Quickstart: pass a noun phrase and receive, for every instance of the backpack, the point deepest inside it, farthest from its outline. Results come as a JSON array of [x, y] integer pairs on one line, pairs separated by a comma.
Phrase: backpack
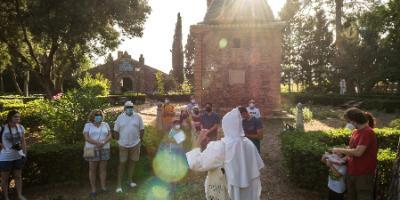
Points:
[[1, 133]]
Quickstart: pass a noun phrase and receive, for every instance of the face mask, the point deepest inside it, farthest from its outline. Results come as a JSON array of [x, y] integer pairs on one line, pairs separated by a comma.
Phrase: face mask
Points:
[[98, 118], [178, 126], [166, 101], [129, 111], [196, 112], [208, 109], [193, 101], [251, 105]]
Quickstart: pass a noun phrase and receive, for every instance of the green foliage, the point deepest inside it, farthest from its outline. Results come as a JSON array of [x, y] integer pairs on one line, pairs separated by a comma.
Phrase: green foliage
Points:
[[31, 113], [307, 113], [96, 86], [160, 83], [50, 34], [387, 103], [60, 163], [186, 87], [151, 140], [65, 117], [395, 124], [177, 52], [189, 59], [303, 150]]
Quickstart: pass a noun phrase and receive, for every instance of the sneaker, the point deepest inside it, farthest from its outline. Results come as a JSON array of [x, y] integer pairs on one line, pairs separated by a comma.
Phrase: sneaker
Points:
[[118, 190], [132, 184]]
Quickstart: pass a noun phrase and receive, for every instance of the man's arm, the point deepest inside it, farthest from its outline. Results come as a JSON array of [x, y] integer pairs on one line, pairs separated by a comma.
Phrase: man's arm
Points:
[[141, 134]]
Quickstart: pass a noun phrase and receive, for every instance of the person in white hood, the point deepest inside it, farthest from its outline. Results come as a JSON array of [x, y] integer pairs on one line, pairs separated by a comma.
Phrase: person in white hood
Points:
[[235, 157]]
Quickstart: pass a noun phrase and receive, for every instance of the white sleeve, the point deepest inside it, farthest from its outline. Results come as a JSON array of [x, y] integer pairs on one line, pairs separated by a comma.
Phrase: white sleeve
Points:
[[141, 125], [342, 170], [86, 129], [212, 157]]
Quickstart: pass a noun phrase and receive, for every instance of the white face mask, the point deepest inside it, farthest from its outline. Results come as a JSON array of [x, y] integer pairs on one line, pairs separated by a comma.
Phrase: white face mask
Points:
[[252, 105], [178, 126], [166, 101], [193, 101]]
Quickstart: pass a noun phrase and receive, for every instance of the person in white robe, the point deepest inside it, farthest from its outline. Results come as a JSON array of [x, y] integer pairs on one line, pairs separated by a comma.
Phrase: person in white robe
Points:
[[236, 155]]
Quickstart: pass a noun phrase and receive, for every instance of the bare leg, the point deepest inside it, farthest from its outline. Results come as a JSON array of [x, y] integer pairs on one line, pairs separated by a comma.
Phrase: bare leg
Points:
[[92, 174], [103, 174], [4, 183], [121, 169], [18, 183], [131, 169]]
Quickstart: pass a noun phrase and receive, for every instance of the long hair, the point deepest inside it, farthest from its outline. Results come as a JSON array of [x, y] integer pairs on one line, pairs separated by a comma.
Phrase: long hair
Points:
[[371, 119], [355, 115], [93, 114]]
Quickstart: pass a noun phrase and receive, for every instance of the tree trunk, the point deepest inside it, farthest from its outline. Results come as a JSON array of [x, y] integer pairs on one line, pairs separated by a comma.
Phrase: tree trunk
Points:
[[26, 83], [46, 83], [59, 84], [339, 39], [15, 82], [1, 83]]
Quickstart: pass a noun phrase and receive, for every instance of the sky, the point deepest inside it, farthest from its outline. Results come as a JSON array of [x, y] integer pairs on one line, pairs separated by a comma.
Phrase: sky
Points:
[[156, 43]]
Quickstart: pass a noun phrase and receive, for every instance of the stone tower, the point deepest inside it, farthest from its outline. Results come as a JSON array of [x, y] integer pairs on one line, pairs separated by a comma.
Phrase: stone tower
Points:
[[238, 55]]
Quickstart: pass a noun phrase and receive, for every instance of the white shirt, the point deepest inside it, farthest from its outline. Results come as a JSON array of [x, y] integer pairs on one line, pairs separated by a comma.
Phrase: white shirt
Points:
[[98, 134], [255, 112], [129, 128], [338, 185], [7, 153]]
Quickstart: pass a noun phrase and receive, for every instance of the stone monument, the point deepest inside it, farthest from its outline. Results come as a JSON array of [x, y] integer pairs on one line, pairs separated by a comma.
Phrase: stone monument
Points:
[[238, 55]]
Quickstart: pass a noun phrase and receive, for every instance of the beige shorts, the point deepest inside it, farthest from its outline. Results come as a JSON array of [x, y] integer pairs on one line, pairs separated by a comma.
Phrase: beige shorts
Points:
[[133, 153]]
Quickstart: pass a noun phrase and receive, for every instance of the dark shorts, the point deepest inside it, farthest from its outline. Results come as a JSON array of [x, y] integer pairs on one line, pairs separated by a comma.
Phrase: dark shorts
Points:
[[7, 166], [335, 196]]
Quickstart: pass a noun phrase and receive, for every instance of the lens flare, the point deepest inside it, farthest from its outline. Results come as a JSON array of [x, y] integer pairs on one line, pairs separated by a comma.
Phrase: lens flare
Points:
[[170, 164], [223, 43], [155, 189]]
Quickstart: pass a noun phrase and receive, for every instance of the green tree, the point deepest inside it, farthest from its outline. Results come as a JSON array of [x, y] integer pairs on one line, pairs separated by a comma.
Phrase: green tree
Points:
[[39, 31], [177, 52], [189, 59], [5, 60], [160, 83]]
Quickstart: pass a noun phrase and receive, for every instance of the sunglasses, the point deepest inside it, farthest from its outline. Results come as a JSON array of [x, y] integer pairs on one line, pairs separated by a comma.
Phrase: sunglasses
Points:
[[98, 115], [129, 107]]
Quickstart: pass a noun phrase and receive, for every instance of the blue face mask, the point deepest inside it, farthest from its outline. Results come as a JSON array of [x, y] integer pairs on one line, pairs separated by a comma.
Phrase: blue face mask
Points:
[[129, 111], [98, 118]]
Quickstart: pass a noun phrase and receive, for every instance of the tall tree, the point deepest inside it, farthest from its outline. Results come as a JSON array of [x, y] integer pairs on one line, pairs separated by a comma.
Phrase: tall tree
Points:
[[39, 31], [5, 60], [287, 14], [177, 52], [189, 59]]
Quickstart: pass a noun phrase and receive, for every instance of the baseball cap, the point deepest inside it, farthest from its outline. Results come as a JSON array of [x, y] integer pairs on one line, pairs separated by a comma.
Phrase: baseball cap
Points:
[[128, 104]]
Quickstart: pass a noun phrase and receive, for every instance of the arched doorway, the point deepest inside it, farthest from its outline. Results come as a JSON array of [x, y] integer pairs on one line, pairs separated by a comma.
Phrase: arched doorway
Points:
[[127, 85]]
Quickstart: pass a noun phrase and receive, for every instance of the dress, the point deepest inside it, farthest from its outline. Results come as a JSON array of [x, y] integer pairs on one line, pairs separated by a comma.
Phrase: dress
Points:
[[237, 155]]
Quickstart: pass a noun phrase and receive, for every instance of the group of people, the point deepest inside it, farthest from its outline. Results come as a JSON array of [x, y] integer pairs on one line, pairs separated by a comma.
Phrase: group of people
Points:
[[128, 131], [195, 120], [233, 161], [352, 169]]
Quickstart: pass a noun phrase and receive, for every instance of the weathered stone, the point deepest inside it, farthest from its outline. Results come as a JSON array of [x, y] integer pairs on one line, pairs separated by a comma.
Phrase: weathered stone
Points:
[[124, 75], [238, 60]]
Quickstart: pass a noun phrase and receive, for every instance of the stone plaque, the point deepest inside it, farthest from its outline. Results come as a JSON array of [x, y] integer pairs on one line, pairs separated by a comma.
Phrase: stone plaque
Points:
[[125, 66], [237, 77]]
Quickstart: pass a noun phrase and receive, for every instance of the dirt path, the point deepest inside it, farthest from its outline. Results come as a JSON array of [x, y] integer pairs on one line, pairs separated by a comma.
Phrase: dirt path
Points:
[[275, 183]]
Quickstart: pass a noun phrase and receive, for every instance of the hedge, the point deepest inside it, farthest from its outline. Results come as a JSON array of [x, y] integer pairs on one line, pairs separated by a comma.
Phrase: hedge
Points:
[[389, 103], [303, 150], [56, 163]]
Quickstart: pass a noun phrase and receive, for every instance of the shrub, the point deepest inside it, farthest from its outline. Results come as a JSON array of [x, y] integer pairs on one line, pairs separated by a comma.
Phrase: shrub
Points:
[[395, 123], [307, 113], [31, 116], [59, 163], [96, 86], [303, 150]]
